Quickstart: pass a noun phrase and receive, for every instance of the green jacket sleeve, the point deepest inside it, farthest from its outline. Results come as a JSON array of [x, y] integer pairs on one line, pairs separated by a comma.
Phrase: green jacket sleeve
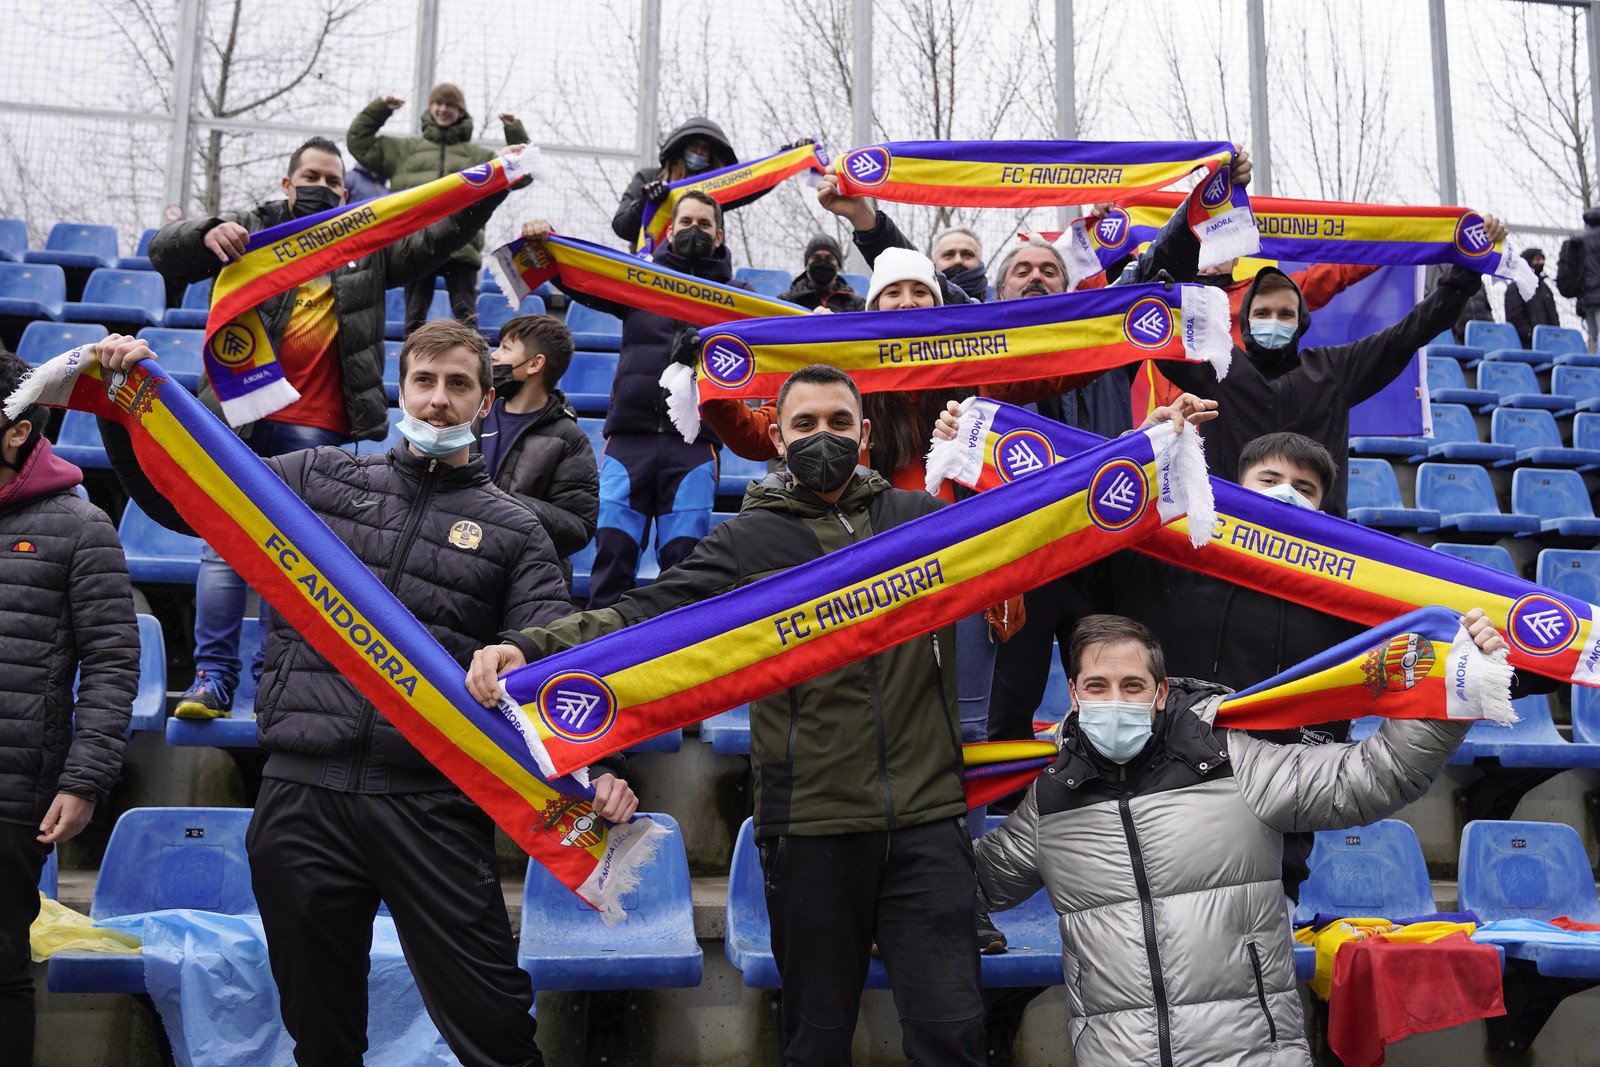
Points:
[[379, 154], [516, 133]]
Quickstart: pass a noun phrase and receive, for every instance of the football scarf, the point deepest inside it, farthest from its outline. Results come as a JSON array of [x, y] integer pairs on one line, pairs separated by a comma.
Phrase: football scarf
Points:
[[316, 583], [728, 185], [1308, 557], [603, 696], [594, 270], [240, 361], [957, 346]]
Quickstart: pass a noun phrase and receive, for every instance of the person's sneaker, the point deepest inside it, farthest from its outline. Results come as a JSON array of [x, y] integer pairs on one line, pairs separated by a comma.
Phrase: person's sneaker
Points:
[[207, 698], [991, 942]]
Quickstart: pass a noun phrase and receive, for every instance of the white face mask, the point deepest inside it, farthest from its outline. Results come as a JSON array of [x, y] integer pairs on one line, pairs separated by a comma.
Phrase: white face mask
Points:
[[1288, 494], [435, 441], [1118, 729]]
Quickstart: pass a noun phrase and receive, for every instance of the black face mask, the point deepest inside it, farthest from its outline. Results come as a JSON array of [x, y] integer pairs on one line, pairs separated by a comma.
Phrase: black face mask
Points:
[[824, 461], [822, 274], [310, 199], [974, 281], [505, 386], [692, 243]]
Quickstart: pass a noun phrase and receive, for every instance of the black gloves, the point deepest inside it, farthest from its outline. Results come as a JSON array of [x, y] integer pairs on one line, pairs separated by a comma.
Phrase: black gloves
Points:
[[797, 144], [655, 191], [686, 346]]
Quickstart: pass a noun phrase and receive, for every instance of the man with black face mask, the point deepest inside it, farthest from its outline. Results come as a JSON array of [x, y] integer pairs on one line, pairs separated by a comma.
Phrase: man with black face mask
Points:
[[858, 803], [329, 338], [821, 284], [1537, 310], [958, 255]]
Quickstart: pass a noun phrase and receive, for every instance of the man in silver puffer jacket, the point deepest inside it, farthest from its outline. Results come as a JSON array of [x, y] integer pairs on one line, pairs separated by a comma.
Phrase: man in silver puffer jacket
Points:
[[1160, 842]]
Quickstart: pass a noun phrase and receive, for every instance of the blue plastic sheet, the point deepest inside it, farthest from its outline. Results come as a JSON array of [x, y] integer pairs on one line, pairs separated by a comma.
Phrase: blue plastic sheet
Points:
[[1532, 932], [209, 978]]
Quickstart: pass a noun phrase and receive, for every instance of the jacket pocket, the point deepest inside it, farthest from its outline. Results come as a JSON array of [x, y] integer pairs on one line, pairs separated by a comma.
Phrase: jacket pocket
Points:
[[777, 793], [773, 851], [1261, 990]]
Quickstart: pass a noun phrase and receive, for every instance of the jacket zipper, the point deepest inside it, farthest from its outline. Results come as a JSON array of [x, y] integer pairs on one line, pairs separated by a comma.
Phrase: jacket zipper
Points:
[[944, 705], [794, 722], [877, 708], [1147, 908], [441, 153], [1261, 990], [407, 536]]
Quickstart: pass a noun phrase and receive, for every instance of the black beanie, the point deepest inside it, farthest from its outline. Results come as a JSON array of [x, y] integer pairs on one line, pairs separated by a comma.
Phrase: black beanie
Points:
[[820, 242]]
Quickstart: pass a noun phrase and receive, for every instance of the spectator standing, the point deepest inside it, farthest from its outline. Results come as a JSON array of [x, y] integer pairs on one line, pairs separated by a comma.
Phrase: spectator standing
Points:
[[1537, 310], [364, 185], [820, 285], [1578, 273], [958, 255]]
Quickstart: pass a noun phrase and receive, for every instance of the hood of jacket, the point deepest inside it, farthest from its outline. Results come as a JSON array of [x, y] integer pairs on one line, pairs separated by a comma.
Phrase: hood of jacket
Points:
[[1591, 217], [1278, 360], [717, 267], [699, 126], [42, 473], [458, 132], [778, 491]]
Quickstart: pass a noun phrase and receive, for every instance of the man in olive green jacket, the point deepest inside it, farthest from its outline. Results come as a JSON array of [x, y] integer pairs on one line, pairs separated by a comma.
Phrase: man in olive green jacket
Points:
[[444, 148], [859, 804]]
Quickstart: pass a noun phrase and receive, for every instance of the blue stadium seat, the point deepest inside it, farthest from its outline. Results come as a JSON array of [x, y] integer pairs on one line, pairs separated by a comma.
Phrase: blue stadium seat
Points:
[[1464, 499], [671, 741], [1533, 742], [1573, 572], [1032, 929], [49, 875], [1567, 347], [1057, 699], [394, 311], [1447, 385], [735, 473], [1558, 499], [487, 282], [196, 307], [1586, 714], [155, 553], [137, 297], [1411, 448], [79, 441], [1516, 387], [765, 282], [493, 312], [43, 341], [564, 943], [645, 572], [391, 370], [13, 240], [594, 330], [1374, 871], [140, 260], [587, 382], [1483, 555], [159, 858], [150, 702], [1582, 384], [728, 732], [1531, 870], [390, 439], [860, 283], [181, 353], [1533, 434], [1586, 430], [239, 729], [1499, 340], [1444, 346], [75, 244], [1374, 498], [32, 290], [1455, 438], [592, 429]]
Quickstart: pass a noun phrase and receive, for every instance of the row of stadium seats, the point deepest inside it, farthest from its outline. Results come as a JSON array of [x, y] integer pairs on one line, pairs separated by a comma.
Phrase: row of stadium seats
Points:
[[1517, 437], [1498, 341], [1545, 503], [1514, 385]]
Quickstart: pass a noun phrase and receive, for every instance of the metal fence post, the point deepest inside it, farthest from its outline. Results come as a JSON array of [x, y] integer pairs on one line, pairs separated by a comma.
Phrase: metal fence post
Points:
[[183, 64], [422, 68], [1066, 90], [1260, 127], [861, 73], [1593, 17], [644, 134], [1442, 121]]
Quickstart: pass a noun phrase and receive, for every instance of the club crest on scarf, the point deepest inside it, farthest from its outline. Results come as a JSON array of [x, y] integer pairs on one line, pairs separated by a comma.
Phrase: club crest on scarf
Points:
[[1022, 452], [1471, 237], [132, 391], [726, 360], [868, 166], [1398, 664], [1541, 625], [577, 706], [1216, 191], [1111, 231], [569, 822], [1118, 495], [1148, 323]]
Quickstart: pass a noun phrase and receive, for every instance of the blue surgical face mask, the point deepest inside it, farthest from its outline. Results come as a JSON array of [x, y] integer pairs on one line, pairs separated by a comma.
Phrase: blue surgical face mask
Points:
[[695, 162], [435, 441], [1118, 729], [1288, 494], [1270, 333]]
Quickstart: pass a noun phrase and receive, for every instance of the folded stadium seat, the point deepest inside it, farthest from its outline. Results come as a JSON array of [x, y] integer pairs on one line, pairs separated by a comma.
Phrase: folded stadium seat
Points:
[[1570, 571], [1031, 928], [1559, 500], [390, 439], [487, 282], [1445, 346], [1567, 347], [1539, 871], [122, 298], [181, 353], [1483, 555], [735, 473], [1586, 714], [196, 307], [493, 311], [1409, 448], [587, 382], [1447, 385], [13, 240], [860, 283], [1499, 340], [75, 244], [1582, 384], [1455, 438], [150, 702], [1374, 498], [79, 441], [592, 430], [44, 341], [1373, 871], [728, 732], [32, 290], [1463, 498], [1534, 435], [1516, 759], [155, 553], [159, 858], [1516, 387], [765, 282], [564, 944], [140, 260], [391, 370], [239, 729], [594, 330]]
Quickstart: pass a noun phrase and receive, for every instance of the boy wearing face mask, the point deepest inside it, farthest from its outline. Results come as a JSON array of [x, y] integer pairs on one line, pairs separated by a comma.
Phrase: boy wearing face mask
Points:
[[820, 285], [858, 802], [530, 439]]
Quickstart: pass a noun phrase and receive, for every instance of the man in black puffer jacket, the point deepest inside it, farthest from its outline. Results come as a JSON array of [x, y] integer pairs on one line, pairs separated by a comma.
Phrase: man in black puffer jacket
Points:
[[820, 285], [1578, 272], [65, 606], [350, 814]]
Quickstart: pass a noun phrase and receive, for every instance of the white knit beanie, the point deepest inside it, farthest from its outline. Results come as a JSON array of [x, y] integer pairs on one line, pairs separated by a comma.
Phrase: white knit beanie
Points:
[[902, 265]]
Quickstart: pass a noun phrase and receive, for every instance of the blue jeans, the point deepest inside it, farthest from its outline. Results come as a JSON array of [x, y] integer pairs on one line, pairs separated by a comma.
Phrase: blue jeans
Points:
[[220, 595], [975, 653]]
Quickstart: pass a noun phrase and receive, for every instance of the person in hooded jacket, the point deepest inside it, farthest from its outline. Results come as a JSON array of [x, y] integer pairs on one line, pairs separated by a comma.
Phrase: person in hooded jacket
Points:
[[445, 147], [66, 608], [1537, 310], [649, 476], [820, 285], [1578, 273]]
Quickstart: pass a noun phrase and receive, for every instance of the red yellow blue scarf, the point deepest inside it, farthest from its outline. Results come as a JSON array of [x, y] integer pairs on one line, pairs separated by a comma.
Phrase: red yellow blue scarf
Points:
[[728, 185]]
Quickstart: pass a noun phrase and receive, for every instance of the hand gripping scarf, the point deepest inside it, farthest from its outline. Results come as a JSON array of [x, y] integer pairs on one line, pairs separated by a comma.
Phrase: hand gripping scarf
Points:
[[1308, 557], [594, 270], [314, 581], [728, 185], [959, 345], [688, 664], [239, 358]]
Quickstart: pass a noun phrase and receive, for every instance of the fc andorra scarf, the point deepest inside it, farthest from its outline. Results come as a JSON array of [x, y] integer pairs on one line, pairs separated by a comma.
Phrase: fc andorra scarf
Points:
[[319, 587], [728, 185]]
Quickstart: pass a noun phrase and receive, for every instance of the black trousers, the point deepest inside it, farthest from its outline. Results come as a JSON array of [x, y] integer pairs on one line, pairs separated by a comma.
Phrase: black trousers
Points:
[[1023, 664], [914, 892], [321, 861], [645, 479], [460, 281], [21, 860]]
